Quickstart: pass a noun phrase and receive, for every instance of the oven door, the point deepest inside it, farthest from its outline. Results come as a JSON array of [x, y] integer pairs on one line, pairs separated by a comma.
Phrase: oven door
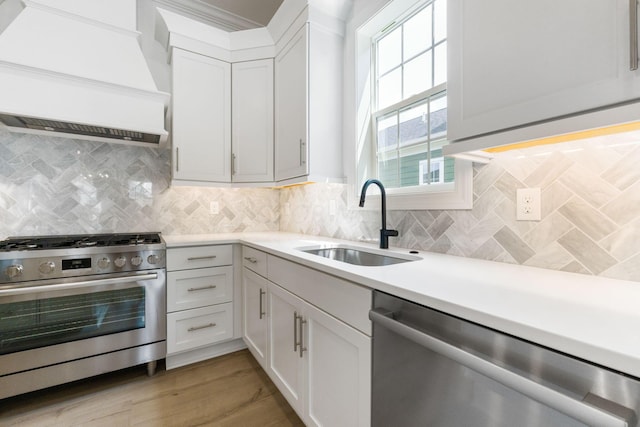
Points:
[[53, 321]]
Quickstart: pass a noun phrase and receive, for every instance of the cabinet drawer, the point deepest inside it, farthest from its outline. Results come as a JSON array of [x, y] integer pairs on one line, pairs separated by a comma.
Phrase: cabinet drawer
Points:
[[199, 287], [254, 260], [199, 327], [198, 257]]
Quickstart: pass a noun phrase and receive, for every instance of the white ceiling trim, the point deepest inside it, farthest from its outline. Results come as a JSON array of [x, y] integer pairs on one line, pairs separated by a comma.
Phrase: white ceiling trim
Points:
[[208, 14]]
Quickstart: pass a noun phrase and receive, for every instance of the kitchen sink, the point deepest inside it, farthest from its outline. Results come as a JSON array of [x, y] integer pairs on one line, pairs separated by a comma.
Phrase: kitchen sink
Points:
[[358, 256]]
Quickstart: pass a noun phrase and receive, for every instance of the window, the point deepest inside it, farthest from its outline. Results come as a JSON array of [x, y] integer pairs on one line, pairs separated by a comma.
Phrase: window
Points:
[[410, 102], [399, 68]]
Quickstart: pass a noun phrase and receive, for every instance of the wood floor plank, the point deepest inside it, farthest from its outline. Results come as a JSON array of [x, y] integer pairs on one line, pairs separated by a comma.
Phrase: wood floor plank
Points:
[[231, 390]]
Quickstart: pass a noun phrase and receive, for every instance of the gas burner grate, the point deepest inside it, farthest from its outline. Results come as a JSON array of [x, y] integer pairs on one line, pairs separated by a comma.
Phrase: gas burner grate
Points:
[[78, 241]]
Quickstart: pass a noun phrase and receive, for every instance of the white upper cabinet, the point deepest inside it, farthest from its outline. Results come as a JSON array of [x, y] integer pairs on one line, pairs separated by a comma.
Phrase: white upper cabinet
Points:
[[201, 124], [515, 63], [252, 117], [291, 108], [308, 106]]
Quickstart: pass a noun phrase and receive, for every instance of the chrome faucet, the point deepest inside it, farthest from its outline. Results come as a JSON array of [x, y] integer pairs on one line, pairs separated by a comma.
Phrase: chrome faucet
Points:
[[384, 233]]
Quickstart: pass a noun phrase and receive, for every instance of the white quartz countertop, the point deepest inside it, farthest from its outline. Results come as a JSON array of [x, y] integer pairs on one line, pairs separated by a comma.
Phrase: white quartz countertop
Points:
[[593, 318]]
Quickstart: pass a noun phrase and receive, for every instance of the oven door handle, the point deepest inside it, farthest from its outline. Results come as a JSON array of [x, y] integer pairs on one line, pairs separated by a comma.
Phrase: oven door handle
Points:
[[587, 413], [85, 283]]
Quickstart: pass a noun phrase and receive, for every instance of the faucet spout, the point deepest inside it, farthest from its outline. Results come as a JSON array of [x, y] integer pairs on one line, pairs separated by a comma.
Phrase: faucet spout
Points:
[[384, 233]]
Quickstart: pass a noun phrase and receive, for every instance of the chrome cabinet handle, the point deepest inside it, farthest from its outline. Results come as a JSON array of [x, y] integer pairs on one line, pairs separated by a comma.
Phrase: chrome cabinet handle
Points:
[[295, 331], [303, 154], [252, 260], [633, 34], [177, 159], [586, 413], [204, 288], [262, 313], [301, 331], [233, 164], [200, 258], [197, 328]]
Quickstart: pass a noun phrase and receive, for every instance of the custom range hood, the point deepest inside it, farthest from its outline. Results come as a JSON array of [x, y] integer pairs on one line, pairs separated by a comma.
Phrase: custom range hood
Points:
[[74, 68]]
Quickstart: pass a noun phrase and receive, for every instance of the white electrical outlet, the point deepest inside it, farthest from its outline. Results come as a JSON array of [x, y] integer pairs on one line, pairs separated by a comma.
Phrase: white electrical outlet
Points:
[[214, 208], [528, 206]]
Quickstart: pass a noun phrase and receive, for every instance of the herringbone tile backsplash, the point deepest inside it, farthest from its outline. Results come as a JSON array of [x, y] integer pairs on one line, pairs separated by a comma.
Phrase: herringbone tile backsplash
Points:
[[590, 203], [64, 186], [590, 211]]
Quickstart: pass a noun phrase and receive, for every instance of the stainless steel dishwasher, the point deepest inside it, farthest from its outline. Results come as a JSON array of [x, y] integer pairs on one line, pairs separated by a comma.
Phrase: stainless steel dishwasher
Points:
[[433, 369]]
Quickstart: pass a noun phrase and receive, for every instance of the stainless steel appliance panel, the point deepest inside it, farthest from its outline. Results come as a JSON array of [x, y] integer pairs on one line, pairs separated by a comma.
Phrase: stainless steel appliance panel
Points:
[[432, 369], [151, 284]]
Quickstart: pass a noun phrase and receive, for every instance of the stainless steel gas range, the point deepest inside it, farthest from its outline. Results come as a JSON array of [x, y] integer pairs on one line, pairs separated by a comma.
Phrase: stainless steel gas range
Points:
[[79, 305]]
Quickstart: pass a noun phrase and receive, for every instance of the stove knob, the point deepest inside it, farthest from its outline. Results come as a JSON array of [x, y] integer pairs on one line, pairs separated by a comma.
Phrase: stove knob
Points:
[[120, 261], [136, 261], [13, 271], [104, 263], [153, 259], [47, 267]]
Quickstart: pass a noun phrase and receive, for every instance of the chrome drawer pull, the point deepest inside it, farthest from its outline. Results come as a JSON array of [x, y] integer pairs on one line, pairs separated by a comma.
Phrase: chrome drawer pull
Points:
[[295, 331], [251, 259], [301, 343], [196, 328], [633, 34], [262, 312], [204, 288], [199, 258]]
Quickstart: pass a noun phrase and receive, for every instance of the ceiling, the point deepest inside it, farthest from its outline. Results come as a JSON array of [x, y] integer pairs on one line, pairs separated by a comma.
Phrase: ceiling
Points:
[[229, 15], [260, 11]]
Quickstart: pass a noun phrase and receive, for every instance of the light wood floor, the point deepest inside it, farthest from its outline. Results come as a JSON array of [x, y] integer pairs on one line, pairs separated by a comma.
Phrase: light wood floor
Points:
[[231, 390]]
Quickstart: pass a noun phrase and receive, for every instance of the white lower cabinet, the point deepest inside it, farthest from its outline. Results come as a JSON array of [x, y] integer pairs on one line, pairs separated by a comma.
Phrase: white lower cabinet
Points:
[[254, 314], [311, 334], [321, 365], [200, 304]]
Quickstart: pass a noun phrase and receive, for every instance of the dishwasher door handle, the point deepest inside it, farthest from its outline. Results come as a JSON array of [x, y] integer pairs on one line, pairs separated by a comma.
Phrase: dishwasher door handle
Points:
[[581, 411]]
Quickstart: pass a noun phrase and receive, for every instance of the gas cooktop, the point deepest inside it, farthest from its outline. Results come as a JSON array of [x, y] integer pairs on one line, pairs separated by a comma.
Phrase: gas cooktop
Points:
[[78, 241]]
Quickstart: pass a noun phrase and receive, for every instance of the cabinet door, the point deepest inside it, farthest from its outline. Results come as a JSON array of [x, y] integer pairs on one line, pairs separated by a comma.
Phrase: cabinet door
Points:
[[284, 364], [252, 112], [254, 314], [201, 124], [339, 372], [291, 145], [515, 62]]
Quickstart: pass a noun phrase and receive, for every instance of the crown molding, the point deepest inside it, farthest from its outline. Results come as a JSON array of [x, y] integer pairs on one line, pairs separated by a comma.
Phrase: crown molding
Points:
[[208, 14]]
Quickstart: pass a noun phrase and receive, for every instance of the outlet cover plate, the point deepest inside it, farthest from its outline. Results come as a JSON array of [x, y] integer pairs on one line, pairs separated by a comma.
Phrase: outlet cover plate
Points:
[[528, 206]]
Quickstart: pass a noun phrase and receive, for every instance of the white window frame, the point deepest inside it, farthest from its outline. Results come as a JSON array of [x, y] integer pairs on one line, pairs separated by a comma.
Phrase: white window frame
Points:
[[366, 24]]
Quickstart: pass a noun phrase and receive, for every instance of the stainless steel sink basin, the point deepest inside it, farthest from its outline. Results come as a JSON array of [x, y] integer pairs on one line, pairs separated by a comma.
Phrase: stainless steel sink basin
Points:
[[358, 256]]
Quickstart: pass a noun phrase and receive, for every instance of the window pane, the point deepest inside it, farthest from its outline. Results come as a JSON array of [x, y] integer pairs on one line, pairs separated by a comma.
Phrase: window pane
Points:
[[388, 169], [440, 20], [389, 51], [390, 88], [438, 118], [417, 75], [417, 33], [387, 130], [413, 124], [440, 61], [410, 165]]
